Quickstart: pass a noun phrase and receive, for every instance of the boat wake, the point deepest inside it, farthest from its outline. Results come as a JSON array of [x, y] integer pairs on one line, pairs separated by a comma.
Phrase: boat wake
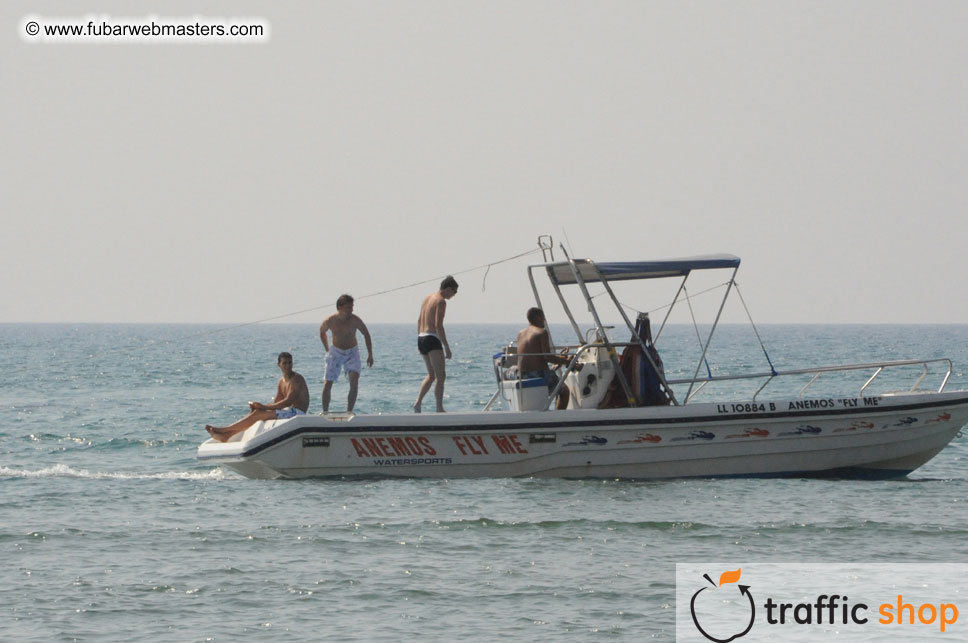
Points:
[[64, 471]]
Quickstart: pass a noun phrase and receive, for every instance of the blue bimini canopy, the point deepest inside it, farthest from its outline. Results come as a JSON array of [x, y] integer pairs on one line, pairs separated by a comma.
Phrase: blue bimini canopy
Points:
[[561, 273]]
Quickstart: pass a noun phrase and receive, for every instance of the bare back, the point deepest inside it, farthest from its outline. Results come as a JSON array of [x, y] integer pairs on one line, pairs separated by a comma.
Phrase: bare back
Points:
[[534, 340], [431, 319]]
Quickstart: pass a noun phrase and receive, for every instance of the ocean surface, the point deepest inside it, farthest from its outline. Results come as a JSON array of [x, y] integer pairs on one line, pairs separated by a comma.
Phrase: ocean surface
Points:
[[110, 530]]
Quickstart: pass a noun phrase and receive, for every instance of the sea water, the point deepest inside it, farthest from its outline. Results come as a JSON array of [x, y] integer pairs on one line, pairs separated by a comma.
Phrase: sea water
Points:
[[110, 530]]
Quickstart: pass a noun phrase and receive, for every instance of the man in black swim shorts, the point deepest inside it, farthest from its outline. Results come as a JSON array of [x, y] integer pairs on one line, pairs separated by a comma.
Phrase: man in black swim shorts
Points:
[[432, 341], [427, 343]]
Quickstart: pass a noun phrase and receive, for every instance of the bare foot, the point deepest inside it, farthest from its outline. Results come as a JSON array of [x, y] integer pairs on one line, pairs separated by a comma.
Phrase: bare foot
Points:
[[416, 407], [217, 433]]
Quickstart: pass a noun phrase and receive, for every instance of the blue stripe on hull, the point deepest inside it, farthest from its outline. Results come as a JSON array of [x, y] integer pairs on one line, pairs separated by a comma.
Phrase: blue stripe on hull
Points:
[[843, 473]]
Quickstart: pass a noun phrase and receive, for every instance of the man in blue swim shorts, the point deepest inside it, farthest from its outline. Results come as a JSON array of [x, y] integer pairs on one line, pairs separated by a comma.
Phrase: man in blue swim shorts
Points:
[[535, 352], [344, 354], [292, 399]]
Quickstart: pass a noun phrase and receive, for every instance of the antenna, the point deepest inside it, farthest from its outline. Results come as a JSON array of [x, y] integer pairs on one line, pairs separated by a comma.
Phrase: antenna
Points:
[[567, 241]]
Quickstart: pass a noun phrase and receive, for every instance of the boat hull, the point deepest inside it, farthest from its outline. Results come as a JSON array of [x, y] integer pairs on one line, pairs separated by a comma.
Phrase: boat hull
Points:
[[870, 437]]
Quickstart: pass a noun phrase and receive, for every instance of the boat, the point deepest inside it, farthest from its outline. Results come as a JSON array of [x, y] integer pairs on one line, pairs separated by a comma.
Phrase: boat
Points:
[[625, 418]]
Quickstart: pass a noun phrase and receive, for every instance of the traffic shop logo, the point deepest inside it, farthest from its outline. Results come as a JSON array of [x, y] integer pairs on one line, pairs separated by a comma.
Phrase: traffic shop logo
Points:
[[719, 612]]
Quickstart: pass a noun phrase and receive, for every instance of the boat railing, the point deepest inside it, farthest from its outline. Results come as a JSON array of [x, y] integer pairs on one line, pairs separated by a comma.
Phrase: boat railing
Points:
[[877, 367], [767, 376]]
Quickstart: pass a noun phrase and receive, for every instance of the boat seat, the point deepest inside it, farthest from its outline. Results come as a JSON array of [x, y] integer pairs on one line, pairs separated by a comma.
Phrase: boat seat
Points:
[[259, 427]]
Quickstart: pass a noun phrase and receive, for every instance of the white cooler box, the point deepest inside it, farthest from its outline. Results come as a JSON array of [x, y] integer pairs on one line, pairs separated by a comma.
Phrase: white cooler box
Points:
[[524, 395]]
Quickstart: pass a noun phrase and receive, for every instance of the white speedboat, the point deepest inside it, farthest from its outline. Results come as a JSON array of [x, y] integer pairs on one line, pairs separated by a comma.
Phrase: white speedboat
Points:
[[625, 419]]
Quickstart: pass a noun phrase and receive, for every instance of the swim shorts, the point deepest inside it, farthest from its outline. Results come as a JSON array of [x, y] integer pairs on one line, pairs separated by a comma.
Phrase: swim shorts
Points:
[[548, 375], [288, 412], [339, 359], [428, 342]]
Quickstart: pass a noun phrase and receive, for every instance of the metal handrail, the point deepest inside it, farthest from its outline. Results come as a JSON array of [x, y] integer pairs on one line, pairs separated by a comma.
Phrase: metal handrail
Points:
[[820, 370], [768, 375]]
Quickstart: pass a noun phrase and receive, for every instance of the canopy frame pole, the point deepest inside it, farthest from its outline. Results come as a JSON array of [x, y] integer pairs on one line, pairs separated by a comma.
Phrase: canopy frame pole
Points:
[[601, 329], [561, 298], [638, 340], [675, 300], [709, 339]]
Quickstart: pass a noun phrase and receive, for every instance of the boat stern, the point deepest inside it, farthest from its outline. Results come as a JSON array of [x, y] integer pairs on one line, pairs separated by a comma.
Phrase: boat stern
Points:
[[231, 454]]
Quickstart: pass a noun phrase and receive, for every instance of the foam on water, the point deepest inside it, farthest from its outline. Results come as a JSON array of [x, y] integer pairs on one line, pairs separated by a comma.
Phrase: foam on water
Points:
[[64, 471]]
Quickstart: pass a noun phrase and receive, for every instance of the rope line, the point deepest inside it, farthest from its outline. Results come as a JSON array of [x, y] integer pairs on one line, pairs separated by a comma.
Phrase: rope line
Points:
[[128, 350], [367, 296], [757, 332], [695, 325], [655, 310]]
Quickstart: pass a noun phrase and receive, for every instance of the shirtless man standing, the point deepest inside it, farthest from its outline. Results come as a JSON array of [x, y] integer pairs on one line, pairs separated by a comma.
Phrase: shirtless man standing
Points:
[[345, 352], [292, 399], [535, 353], [432, 341]]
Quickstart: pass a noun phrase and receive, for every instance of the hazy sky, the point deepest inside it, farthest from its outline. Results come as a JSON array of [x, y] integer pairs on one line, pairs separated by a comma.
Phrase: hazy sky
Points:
[[370, 145]]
